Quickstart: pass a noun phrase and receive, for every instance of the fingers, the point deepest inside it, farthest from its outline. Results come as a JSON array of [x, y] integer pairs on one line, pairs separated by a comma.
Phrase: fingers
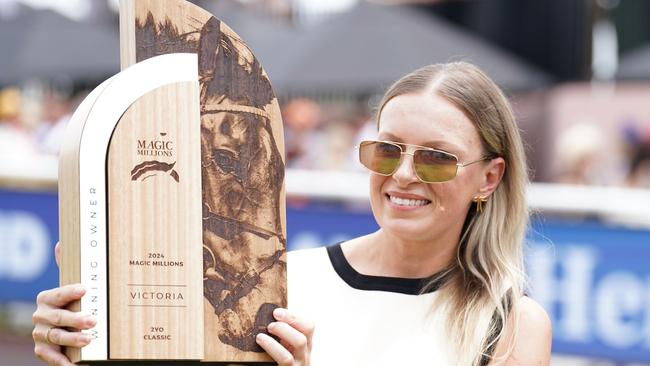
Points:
[[297, 341], [51, 355], [57, 253], [50, 319], [59, 337], [304, 326], [295, 334], [61, 296], [63, 318], [275, 350], [71, 339]]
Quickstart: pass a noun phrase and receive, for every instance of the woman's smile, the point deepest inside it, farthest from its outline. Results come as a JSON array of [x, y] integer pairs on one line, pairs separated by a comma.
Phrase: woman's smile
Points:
[[406, 201]]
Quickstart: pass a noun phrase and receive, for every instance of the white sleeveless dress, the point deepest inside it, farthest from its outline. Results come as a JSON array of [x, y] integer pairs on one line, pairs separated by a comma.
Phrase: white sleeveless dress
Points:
[[364, 320]]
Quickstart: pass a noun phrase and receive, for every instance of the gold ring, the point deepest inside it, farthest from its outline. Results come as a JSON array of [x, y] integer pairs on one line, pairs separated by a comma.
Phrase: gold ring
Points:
[[47, 335]]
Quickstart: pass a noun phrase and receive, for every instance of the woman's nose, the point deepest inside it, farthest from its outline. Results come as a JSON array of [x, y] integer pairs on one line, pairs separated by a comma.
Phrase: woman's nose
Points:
[[405, 172]]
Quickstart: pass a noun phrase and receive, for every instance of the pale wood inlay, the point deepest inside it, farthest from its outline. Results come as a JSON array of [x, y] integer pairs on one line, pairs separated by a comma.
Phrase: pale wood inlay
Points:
[[154, 197]]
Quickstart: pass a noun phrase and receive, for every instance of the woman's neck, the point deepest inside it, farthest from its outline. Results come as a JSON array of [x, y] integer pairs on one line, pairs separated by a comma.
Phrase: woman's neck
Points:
[[383, 254]]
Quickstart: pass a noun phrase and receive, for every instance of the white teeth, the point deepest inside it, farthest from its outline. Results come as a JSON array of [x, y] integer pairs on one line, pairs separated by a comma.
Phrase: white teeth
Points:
[[407, 202]]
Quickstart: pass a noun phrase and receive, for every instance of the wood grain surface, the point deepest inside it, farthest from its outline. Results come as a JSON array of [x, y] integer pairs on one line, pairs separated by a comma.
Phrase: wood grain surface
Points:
[[154, 236], [243, 199], [83, 181]]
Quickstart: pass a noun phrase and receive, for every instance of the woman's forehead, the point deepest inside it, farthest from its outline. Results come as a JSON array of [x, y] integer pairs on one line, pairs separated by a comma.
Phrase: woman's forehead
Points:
[[427, 120]]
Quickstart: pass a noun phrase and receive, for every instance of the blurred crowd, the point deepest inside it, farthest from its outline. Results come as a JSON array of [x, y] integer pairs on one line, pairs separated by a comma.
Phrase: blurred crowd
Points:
[[29, 127], [584, 148], [323, 135]]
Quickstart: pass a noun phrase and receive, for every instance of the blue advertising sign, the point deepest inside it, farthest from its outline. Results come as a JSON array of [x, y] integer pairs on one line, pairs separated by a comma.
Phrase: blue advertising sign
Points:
[[593, 279], [29, 228]]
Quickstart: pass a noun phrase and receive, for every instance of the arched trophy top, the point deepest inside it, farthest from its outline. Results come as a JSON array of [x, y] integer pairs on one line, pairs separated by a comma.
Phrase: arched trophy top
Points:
[[242, 165], [83, 177], [234, 91], [228, 69]]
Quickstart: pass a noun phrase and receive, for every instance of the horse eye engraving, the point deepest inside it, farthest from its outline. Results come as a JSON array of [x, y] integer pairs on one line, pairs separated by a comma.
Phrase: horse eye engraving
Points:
[[228, 162]]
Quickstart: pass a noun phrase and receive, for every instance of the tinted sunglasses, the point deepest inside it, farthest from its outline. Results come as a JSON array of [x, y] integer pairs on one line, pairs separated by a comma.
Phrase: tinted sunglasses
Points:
[[430, 165]]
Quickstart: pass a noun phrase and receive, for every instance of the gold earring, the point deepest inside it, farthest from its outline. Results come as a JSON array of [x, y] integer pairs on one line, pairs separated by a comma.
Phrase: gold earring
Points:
[[480, 201]]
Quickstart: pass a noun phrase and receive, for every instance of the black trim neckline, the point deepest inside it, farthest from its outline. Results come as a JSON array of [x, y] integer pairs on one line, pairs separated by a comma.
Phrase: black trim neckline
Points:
[[359, 281]]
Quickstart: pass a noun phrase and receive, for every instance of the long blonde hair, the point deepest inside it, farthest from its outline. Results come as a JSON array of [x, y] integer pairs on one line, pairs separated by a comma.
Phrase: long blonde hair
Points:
[[487, 278]]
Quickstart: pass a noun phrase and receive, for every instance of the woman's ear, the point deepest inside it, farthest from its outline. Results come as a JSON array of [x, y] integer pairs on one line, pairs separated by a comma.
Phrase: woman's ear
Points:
[[492, 175]]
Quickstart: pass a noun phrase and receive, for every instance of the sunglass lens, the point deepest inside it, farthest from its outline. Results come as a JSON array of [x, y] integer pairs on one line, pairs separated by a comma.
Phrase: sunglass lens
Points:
[[380, 157], [434, 166]]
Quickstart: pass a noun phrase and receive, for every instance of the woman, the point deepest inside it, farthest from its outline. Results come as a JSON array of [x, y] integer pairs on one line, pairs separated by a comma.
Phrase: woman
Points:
[[441, 282]]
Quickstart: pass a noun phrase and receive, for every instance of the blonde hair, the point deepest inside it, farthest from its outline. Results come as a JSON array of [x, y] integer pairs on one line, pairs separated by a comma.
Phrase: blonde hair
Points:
[[487, 278]]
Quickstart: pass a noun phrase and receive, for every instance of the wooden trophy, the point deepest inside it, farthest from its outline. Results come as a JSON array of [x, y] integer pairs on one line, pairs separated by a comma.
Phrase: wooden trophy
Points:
[[171, 195]]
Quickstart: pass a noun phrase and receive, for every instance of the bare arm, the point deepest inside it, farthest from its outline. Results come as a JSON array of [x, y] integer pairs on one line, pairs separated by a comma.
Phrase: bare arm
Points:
[[532, 342]]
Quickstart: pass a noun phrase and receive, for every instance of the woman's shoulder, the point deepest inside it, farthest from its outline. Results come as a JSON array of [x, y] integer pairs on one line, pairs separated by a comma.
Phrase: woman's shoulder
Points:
[[310, 278], [307, 261], [532, 317], [299, 256], [532, 338]]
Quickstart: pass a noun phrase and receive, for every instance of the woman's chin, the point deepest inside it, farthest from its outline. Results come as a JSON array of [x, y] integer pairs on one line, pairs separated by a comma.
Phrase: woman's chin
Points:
[[407, 229]]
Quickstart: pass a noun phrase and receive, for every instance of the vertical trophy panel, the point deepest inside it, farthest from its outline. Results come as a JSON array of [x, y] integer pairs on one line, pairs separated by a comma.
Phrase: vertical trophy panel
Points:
[[70, 269], [244, 237], [83, 194], [154, 196], [70, 230]]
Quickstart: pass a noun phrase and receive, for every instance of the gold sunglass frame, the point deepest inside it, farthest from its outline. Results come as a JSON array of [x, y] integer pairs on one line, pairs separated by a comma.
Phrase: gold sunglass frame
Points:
[[412, 154]]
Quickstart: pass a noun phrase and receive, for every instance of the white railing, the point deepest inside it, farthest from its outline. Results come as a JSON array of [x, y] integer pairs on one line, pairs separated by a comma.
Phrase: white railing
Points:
[[621, 205]]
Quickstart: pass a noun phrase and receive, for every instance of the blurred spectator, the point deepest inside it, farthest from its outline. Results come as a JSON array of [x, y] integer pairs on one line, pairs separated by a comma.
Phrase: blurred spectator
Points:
[[366, 130], [639, 152], [303, 142], [14, 139], [639, 175], [56, 112], [337, 135], [578, 155]]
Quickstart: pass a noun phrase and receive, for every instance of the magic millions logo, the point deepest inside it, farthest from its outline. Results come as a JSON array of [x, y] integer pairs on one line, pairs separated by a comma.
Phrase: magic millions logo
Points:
[[157, 150]]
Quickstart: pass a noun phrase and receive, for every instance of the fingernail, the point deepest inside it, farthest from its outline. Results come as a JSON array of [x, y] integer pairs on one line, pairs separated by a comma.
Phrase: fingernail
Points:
[[279, 313], [85, 338], [259, 338], [90, 321], [79, 290], [272, 325]]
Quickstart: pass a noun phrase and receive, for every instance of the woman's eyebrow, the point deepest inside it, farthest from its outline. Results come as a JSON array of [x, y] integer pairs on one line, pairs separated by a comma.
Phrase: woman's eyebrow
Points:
[[389, 136], [435, 144], [443, 145]]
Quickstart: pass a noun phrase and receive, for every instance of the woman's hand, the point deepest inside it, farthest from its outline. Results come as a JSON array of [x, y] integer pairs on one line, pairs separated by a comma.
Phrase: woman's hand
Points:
[[295, 334], [51, 320]]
